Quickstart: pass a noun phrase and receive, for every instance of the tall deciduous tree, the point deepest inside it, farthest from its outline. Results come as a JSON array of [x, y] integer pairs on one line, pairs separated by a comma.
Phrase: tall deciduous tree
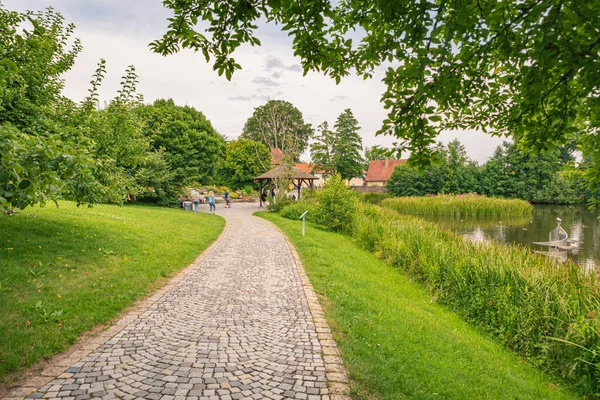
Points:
[[118, 142], [527, 69], [374, 153], [41, 157], [511, 173], [53, 148], [462, 172], [278, 124], [192, 147], [244, 159], [407, 181], [514, 173]]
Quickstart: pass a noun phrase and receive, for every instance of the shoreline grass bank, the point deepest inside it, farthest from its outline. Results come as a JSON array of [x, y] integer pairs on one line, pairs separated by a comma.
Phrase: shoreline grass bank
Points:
[[545, 311], [458, 205], [395, 341], [64, 271]]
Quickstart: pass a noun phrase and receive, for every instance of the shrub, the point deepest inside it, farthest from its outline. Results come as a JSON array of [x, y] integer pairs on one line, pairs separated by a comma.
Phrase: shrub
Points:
[[295, 210], [248, 190], [281, 200], [374, 198], [337, 205]]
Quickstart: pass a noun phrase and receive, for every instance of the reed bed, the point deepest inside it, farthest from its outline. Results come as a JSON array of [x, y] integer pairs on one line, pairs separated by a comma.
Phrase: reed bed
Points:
[[546, 312], [468, 205], [471, 223], [374, 198]]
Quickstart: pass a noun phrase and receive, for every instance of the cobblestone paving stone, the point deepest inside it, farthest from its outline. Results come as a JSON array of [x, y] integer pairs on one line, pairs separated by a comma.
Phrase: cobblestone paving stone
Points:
[[236, 327]]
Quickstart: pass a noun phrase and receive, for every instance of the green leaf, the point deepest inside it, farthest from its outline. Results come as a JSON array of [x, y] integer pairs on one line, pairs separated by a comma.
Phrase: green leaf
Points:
[[10, 64]]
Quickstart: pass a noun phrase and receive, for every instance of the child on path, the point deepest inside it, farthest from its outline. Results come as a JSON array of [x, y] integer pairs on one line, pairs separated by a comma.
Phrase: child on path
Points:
[[211, 201], [227, 202]]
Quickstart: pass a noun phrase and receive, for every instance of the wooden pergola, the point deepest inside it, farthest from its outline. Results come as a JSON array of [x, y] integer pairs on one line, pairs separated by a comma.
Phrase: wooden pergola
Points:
[[286, 172]]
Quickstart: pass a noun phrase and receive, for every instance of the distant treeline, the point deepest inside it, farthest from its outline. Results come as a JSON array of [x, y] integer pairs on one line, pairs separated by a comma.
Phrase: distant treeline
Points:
[[53, 148], [549, 177]]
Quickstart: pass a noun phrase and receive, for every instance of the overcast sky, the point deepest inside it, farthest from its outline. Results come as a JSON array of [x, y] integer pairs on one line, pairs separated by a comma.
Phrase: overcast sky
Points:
[[120, 31]]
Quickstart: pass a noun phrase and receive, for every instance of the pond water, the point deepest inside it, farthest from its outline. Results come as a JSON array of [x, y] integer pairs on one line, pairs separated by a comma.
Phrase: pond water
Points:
[[580, 223]]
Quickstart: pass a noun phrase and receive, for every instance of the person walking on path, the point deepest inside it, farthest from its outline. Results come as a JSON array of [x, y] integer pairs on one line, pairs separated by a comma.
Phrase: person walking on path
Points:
[[227, 202], [211, 202], [263, 195], [196, 202]]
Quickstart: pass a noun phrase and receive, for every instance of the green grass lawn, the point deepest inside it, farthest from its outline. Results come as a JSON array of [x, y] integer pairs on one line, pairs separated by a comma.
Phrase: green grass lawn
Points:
[[63, 271], [395, 340]]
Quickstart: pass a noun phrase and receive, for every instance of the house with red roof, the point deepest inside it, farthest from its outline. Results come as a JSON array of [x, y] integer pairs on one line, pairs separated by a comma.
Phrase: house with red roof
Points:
[[380, 171], [323, 175], [277, 159], [310, 168]]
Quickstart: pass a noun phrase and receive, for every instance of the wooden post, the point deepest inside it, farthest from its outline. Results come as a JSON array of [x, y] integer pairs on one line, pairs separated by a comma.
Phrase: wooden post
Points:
[[260, 192], [299, 186]]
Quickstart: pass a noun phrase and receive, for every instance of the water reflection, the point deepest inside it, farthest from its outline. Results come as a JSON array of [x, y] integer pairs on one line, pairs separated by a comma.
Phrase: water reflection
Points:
[[580, 223]]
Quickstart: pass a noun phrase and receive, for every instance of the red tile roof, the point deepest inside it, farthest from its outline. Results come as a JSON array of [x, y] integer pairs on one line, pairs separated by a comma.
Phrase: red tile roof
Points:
[[381, 170], [308, 168], [276, 156]]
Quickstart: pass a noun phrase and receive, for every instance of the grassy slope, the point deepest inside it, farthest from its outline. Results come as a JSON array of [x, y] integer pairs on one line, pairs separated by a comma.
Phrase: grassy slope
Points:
[[395, 341], [81, 266]]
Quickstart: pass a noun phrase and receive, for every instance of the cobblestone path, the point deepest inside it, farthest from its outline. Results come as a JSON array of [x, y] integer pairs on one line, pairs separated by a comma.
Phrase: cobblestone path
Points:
[[238, 326]]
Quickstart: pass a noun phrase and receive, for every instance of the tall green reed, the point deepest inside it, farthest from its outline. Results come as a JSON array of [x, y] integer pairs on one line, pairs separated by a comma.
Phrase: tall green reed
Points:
[[545, 311], [374, 198], [459, 205]]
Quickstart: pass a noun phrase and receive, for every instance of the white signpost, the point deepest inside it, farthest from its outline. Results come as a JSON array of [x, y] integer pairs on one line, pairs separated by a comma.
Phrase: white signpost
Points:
[[302, 217]]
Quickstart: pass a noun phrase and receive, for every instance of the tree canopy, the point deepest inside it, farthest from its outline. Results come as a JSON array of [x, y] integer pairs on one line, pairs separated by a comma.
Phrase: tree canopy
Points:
[[278, 124], [511, 173], [244, 159], [53, 148], [192, 147], [349, 162], [41, 155], [374, 153], [526, 69], [339, 150], [540, 178], [322, 149]]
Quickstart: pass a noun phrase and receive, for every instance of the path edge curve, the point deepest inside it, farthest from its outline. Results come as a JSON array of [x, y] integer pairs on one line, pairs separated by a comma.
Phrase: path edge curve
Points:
[[335, 372], [86, 344]]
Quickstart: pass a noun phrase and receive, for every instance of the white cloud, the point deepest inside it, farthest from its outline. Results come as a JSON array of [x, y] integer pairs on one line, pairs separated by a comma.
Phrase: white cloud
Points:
[[262, 81], [120, 32], [338, 98]]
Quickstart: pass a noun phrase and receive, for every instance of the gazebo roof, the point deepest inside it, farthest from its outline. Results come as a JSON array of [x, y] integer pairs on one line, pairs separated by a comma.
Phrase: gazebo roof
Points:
[[286, 172]]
